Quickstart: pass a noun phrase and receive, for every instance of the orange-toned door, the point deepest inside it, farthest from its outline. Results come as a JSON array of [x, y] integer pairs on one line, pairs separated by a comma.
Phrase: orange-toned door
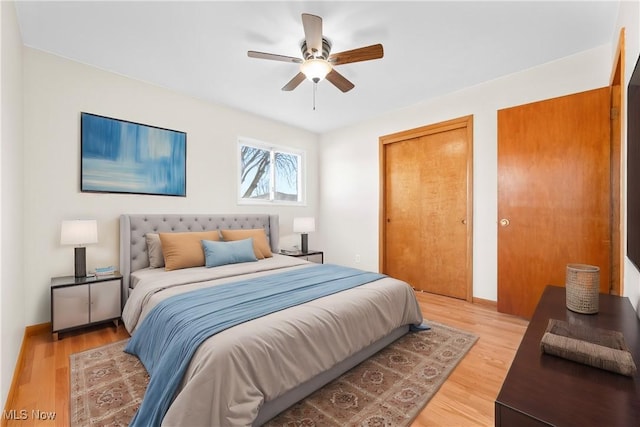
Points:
[[426, 207], [554, 195]]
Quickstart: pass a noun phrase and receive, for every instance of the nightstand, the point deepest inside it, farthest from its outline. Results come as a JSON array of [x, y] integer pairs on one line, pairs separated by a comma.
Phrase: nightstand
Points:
[[313, 256], [82, 301]]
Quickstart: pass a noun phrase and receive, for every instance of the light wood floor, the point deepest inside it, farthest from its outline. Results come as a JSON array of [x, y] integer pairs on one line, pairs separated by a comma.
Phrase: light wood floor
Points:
[[465, 399]]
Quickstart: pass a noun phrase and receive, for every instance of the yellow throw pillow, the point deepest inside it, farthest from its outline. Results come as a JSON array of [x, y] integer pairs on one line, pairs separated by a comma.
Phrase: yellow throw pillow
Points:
[[260, 243], [184, 250]]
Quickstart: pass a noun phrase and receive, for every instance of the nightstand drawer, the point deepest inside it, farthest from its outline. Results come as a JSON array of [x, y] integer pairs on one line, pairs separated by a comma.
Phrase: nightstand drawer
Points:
[[70, 307], [103, 295], [313, 258], [83, 301]]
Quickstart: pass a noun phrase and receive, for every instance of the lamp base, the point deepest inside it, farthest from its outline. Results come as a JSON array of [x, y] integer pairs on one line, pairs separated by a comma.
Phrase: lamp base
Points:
[[305, 245], [80, 262]]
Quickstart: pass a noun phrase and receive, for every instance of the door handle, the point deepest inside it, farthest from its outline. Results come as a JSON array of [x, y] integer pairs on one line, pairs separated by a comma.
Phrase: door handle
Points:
[[504, 222]]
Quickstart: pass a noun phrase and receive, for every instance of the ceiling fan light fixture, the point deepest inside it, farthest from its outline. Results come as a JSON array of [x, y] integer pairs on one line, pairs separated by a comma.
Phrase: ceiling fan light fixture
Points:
[[317, 62], [315, 69]]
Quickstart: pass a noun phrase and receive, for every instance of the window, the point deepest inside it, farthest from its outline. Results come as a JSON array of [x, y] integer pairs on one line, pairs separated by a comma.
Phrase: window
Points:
[[269, 174]]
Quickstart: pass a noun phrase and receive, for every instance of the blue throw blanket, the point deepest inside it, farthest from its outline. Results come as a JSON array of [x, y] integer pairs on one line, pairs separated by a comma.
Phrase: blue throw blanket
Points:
[[168, 337]]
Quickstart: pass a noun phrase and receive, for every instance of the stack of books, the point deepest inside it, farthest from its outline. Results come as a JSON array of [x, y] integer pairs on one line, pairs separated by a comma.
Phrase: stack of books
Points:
[[290, 251], [105, 271]]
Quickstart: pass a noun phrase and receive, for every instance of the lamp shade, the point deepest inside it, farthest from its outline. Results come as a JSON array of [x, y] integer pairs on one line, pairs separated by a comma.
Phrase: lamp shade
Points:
[[315, 69], [79, 232], [304, 224]]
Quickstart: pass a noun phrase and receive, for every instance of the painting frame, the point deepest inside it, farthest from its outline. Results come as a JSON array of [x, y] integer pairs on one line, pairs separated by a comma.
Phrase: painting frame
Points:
[[121, 156]]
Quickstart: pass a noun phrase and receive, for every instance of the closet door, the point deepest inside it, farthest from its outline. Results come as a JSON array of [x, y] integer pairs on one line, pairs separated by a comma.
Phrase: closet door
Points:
[[426, 219], [554, 195]]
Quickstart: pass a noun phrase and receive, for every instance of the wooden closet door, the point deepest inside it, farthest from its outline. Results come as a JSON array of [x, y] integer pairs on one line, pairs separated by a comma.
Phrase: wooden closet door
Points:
[[404, 217], [426, 228], [554, 195]]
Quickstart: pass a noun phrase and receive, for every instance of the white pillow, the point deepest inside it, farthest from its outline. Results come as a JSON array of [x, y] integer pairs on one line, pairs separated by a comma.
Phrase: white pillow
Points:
[[154, 249]]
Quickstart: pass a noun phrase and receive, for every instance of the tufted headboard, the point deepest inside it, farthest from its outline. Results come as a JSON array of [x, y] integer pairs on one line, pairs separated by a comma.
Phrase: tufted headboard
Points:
[[133, 246]]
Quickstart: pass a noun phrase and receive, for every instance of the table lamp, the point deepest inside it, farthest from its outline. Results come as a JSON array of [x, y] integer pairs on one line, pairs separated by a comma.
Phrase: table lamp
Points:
[[304, 225], [79, 232]]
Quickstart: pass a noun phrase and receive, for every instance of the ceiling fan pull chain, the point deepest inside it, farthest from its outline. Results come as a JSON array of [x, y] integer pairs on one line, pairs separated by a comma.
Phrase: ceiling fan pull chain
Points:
[[315, 86]]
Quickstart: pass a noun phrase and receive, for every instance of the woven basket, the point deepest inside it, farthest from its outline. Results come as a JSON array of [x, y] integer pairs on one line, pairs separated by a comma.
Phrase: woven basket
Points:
[[583, 288]]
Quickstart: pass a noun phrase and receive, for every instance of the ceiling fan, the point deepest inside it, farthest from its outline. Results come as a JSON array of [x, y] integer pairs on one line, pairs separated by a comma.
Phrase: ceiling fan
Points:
[[317, 61]]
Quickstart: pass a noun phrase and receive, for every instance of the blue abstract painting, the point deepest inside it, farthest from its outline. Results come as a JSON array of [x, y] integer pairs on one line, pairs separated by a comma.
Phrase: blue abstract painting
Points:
[[124, 157]]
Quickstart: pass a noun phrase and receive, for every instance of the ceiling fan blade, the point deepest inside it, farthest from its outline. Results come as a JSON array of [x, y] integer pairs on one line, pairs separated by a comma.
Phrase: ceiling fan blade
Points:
[[356, 55], [340, 81], [313, 33], [294, 82], [273, 56]]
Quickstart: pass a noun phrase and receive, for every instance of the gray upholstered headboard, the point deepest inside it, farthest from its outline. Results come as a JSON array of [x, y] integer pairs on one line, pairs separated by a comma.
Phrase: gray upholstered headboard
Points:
[[133, 246]]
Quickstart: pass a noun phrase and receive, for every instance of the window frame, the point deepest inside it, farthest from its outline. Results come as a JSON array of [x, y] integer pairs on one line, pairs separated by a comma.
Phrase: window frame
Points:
[[272, 148]]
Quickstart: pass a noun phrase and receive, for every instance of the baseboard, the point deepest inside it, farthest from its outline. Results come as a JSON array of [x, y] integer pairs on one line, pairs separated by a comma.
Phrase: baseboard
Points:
[[483, 302], [29, 331], [32, 330], [486, 303]]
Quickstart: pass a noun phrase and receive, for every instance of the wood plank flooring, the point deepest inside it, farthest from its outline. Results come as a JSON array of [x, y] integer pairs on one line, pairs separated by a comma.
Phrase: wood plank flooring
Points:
[[466, 398]]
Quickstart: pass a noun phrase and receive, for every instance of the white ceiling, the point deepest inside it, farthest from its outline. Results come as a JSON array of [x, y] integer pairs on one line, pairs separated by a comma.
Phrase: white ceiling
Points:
[[430, 48]]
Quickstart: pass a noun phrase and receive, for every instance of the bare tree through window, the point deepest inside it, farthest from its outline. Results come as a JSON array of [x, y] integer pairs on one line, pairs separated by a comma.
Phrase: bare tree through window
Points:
[[269, 174], [254, 166]]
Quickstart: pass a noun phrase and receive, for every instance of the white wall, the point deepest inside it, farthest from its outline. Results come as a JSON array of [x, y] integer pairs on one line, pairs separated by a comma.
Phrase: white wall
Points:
[[12, 292], [346, 199], [349, 160], [629, 18], [56, 91]]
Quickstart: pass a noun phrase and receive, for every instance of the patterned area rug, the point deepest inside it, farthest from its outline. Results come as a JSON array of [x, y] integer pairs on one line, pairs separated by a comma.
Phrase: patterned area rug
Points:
[[389, 388], [107, 386]]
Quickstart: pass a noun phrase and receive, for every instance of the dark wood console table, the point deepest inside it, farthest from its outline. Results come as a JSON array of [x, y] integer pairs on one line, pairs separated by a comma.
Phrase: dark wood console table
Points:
[[543, 390]]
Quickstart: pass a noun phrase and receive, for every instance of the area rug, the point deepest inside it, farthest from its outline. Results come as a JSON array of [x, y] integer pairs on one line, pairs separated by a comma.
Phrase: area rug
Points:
[[389, 388]]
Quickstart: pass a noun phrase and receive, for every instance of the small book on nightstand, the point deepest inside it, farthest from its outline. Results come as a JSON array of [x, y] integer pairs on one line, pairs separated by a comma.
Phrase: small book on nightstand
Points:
[[290, 252], [105, 271]]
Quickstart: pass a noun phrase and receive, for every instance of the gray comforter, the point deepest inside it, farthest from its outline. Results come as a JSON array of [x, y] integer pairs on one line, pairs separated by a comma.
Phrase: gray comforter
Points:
[[234, 372]]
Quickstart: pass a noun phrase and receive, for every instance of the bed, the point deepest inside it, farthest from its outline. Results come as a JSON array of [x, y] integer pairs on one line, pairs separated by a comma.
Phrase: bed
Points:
[[247, 374]]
